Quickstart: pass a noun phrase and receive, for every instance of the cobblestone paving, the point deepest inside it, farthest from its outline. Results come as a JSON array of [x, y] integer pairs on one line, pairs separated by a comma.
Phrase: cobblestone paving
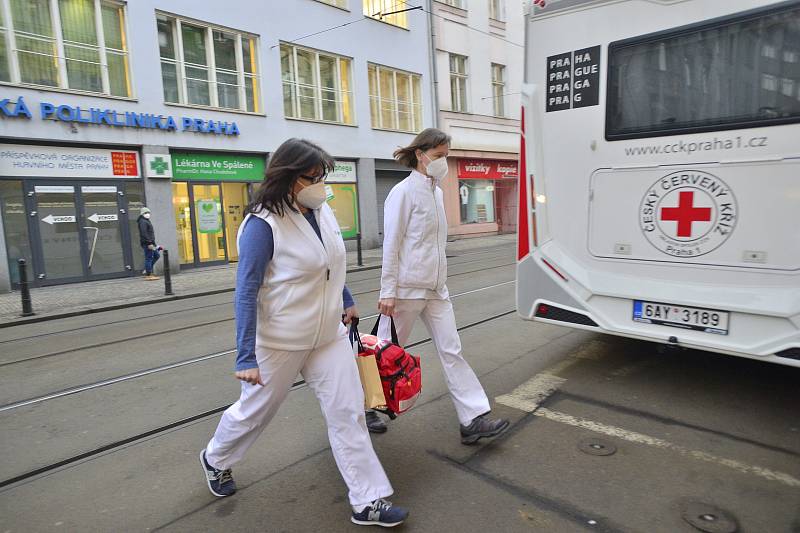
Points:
[[99, 294]]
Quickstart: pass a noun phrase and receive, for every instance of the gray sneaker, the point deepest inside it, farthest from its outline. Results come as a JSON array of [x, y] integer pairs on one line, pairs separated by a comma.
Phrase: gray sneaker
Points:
[[481, 427], [374, 422]]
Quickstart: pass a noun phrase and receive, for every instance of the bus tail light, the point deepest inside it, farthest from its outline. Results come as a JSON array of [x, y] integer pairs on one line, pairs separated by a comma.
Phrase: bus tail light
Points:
[[552, 312]]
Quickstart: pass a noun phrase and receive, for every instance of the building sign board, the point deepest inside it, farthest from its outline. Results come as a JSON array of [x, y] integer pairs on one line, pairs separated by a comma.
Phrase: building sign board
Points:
[[65, 162], [484, 169], [115, 118], [217, 167], [343, 172]]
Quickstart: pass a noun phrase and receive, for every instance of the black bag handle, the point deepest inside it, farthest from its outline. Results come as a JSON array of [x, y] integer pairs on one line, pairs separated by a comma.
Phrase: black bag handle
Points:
[[355, 337], [394, 330]]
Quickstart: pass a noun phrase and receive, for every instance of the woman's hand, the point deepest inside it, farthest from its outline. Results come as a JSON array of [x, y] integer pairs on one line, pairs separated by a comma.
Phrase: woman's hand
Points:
[[386, 306], [349, 314], [251, 376]]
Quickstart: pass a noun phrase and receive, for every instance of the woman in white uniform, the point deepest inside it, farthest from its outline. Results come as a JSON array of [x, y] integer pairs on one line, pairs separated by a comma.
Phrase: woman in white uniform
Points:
[[414, 274], [289, 303]]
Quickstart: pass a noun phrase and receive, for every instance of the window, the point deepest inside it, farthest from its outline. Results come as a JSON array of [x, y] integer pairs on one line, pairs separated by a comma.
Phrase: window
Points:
[[79, 45], [316, 85], [496, 9], [395, 99], [386, 11], [458, 83], [728, 73], [498, 89], [207, 66], [454, 3], [477, 201]]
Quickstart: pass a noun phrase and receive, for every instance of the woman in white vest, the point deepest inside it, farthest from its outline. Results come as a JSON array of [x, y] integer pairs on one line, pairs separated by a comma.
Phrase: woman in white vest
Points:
[[414, 274], [289, 303]]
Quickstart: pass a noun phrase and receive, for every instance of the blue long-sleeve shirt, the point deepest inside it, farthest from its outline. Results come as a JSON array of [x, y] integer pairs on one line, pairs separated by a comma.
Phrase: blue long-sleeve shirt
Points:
[[256, 247]]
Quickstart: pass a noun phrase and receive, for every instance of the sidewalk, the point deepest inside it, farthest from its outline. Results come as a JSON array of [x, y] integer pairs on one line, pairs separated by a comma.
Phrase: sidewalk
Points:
[[88, 297]]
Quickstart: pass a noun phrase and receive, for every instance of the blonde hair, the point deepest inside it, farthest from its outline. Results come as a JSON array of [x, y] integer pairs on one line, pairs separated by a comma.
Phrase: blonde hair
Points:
[[425, 140]]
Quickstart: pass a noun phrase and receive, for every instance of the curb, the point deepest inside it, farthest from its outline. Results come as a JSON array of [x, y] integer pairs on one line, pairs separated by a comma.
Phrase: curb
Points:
[[92, 310]]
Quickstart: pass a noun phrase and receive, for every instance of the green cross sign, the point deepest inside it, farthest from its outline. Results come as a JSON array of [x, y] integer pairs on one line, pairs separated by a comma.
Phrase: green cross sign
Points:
[[159, 166]]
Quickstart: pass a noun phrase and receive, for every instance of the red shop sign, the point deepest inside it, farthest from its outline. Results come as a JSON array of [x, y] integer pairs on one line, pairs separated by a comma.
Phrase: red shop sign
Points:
[[486, 169]]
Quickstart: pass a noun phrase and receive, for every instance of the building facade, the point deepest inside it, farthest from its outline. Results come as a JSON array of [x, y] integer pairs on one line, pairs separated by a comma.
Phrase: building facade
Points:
[[478, 54], [107, 106]]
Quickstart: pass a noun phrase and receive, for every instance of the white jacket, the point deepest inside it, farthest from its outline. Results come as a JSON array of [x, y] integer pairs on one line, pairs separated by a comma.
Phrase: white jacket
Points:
[[300, 300], [414, 237]]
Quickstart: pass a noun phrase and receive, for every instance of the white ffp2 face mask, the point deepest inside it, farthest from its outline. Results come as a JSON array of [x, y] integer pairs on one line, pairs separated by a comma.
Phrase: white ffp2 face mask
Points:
[[437, 168], [312, 196], [146, 215]]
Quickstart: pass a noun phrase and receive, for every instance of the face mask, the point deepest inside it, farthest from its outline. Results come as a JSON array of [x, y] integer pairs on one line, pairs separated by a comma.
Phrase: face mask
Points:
[[437, 169], [146, 215], [312, 196]]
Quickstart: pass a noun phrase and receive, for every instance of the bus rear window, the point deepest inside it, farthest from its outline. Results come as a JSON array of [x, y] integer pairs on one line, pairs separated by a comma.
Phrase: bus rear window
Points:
[[736, 72]]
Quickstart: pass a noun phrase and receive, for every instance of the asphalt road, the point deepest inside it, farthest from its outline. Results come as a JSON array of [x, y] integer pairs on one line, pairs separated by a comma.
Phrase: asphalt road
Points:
[[102, 418]]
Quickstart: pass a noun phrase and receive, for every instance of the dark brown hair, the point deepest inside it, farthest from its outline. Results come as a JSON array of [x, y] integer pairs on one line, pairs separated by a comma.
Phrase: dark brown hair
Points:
[[425, 140], [287, 163]]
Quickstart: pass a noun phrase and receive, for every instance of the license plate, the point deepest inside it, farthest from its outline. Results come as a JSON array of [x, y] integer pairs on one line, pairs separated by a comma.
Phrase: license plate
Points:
[[677, 316]]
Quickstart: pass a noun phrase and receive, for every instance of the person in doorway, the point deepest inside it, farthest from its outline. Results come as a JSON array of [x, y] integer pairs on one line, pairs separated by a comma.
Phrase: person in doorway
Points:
[[290, 304], [414, 274], [147, 238]]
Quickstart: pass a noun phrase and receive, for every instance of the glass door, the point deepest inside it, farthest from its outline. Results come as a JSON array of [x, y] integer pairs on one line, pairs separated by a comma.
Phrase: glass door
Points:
[[103, 231], [61, 250], [209, 231], [78, 232]]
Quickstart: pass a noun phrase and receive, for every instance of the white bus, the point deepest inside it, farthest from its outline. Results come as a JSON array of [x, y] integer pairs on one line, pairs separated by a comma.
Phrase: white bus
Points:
[[659, 192]]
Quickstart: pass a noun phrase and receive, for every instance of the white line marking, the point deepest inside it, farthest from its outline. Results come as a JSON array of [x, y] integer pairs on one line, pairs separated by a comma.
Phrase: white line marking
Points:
[[640, 438], [529, 395]]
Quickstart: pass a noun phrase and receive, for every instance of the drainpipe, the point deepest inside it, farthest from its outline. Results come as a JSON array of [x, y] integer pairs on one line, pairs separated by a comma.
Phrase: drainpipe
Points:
[[434, 75]]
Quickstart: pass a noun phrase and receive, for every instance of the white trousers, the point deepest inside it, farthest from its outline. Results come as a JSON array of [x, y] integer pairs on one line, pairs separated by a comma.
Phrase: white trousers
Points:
[[332, 374], [466, 391]]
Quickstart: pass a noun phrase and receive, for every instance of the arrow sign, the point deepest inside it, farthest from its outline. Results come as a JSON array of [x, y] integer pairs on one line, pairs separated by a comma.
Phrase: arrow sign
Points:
[[50, 219], [102, 218]]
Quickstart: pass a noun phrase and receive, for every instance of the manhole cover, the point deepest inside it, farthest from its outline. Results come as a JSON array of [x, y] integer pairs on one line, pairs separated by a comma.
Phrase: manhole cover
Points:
[[596, 447], [709, 518]]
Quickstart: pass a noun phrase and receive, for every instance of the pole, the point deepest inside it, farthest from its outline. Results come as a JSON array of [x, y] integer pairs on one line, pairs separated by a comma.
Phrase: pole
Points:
[[167, 275], [25, 291], [358, 248]]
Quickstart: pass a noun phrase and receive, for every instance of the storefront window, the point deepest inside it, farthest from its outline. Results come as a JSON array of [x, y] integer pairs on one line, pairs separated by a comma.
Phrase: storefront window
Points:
[[183, 221], [476, 198], [15, 224], [235, 197]]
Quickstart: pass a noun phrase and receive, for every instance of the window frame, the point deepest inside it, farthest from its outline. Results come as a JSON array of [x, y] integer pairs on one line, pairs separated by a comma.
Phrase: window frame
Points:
[[176, 22], [394, 4], [413, 105], [318, 89], [497, 10], [9, 34], [744, 16], [463, 107], [458, 4], [501, 86]]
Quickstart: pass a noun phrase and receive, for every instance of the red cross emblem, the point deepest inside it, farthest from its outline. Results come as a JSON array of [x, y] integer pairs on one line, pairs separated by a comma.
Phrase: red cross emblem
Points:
[[685, 213]]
